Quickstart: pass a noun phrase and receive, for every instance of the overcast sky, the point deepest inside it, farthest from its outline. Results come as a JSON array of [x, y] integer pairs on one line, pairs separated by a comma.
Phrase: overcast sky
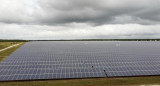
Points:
[[79, 19]]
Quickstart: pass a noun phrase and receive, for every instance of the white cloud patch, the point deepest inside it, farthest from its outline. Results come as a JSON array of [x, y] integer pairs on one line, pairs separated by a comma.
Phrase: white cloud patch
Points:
[[78, 31]]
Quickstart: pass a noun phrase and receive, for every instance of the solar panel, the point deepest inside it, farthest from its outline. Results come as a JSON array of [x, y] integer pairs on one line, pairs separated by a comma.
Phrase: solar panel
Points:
[[81, 59]]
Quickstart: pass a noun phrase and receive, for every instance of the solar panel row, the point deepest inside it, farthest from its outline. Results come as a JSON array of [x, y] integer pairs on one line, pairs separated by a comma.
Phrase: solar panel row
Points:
[[81, 59], [26, 74]]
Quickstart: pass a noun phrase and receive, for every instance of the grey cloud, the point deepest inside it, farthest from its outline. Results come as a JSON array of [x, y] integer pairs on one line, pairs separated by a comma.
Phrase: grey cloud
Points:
[[94, 12], [79, 19], [100, 12]]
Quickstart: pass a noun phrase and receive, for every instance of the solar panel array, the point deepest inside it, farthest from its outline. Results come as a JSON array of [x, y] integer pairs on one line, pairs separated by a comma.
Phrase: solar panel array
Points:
[[81, 59]]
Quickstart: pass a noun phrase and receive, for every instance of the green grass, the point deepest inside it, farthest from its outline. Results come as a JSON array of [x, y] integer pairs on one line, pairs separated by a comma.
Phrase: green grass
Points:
[[6, 44], [7, 52], [88, 82], [80, 82]]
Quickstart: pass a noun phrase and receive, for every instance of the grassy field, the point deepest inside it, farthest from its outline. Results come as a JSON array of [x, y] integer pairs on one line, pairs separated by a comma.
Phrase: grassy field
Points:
[[6, 44], [7, 52], [81, 82], [89, 82]]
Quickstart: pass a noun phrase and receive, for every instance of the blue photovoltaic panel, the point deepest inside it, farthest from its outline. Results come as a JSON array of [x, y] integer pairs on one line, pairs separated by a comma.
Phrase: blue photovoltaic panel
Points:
[[81, 59]]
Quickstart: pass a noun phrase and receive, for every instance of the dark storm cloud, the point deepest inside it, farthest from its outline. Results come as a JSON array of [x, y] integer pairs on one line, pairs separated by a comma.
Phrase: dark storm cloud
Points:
[[95, 12], [101, 11]]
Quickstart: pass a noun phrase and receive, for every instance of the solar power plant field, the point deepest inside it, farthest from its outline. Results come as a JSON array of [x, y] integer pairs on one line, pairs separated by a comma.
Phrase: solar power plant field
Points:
[[81, 59]]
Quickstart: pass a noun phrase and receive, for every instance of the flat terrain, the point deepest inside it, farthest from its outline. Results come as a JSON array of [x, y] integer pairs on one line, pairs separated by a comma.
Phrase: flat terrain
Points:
[[7, 52], [80, 82], [89, 82], [6, 44]]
